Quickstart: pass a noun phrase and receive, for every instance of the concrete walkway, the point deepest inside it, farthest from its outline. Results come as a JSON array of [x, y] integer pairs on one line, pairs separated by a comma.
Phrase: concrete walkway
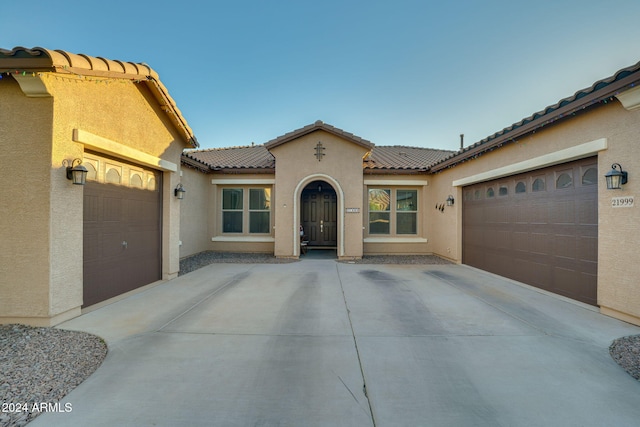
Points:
[[321, 343]]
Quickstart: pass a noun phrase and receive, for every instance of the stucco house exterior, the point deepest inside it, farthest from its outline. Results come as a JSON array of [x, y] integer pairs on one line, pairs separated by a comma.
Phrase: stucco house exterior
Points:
[[529, 202], [65, 246]]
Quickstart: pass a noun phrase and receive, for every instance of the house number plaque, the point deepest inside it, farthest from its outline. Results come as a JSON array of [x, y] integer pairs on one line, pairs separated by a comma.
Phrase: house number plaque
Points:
[[353, 210], [622, 202]]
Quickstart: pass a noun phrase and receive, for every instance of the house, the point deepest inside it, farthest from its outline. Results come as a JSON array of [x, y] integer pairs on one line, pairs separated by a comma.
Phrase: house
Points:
[[529, 202], [66, 246]]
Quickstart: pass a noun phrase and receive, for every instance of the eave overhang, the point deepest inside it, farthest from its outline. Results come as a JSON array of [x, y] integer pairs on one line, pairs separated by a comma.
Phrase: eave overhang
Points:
[[603, 91], [24, 64]]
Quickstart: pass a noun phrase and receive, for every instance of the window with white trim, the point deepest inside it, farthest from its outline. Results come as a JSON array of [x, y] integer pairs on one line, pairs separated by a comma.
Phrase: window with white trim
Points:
[[246, 210], [393, 211]]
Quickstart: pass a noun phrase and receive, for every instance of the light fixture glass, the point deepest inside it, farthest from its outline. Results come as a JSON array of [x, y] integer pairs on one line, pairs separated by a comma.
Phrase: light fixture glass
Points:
[[179, 192], [76, 172], [450, 200], [616, 177]]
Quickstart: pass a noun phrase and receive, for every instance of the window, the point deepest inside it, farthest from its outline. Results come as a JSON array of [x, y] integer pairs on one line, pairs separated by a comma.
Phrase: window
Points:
[[232, 199], [490, 192], [379, 211], [406, 211], [521, 187], [538, 185], [387, 217], [503, 190], [564, 181], [590, 177], [259, 210], [246, 210]]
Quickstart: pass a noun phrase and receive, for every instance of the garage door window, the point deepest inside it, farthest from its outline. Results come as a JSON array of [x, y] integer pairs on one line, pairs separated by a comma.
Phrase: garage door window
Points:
[[538, 185], [590, 177], [564, 181], [490, 192], [521, 187]]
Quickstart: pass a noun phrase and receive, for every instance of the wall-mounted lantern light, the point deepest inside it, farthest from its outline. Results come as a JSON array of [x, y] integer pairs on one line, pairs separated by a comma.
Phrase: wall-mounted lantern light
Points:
[[179, 192], [616, 177], [76, 172], [450, 200]]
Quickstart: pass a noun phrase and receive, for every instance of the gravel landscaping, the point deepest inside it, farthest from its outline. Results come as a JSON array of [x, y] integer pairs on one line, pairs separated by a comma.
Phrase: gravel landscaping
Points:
[[39, 366], [202, 259], [626, 352]]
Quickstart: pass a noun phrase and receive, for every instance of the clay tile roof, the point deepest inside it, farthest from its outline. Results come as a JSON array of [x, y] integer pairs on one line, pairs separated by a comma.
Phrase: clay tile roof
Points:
[[248, 157], [600, 91], [39, 59], [398, 157], [258, 157]]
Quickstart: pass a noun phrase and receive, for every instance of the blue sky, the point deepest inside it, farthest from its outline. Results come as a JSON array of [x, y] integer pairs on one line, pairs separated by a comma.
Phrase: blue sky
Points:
[[399, 72]]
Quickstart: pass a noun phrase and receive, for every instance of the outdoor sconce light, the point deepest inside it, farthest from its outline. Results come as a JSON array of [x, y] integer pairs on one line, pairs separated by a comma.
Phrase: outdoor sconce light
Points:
[[77, 173], [179, 192], [450, 200], [616, 178]]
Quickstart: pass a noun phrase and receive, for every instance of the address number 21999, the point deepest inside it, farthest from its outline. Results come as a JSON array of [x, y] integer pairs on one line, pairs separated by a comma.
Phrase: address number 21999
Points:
[[622, 202]]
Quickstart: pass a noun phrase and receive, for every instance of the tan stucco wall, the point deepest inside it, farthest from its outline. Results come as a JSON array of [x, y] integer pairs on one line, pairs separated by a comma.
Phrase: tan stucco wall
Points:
[[194, 212], [25, 244], [619, 228], [121, 112], [296, 166], [618, 266]]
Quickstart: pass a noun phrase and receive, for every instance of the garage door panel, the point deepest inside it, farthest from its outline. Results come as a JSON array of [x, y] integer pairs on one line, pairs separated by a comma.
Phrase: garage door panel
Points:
[[588, 212], [588, 249], [111, 209], [563, 212], [540, 243], [122, 235], [521, 241], [565, 246], [111, 245], [544, 235]]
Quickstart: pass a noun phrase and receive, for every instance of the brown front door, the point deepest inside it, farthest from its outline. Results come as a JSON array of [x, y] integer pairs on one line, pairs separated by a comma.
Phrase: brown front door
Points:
[[319, 214], [540, 228], [122, 239]]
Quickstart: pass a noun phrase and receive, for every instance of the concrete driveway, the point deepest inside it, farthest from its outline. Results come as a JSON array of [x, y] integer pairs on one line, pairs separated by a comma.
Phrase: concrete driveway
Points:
[[320, 343]]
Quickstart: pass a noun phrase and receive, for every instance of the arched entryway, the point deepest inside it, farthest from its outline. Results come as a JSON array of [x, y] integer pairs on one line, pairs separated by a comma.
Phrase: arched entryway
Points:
[[319, 214]]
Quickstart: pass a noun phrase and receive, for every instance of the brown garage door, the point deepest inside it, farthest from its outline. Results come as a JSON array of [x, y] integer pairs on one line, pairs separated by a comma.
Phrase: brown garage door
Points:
[[122, 231], [540, 228]]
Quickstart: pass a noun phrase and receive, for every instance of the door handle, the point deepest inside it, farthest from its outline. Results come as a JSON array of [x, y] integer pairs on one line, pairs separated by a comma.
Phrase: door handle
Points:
[[321, 226], [125, 244]]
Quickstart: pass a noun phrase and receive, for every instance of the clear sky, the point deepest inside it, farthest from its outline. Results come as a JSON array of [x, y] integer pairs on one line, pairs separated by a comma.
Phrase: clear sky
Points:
[[401, 72]]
